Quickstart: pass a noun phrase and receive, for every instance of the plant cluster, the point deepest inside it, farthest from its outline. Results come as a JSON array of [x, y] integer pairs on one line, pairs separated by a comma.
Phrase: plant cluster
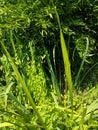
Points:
[[47, 50]]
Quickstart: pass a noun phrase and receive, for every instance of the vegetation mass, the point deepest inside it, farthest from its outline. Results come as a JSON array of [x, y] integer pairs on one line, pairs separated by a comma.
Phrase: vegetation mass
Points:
[[48, 65]]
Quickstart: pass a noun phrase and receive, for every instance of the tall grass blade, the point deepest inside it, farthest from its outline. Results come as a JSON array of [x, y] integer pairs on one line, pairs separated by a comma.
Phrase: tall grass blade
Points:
[[54, 61], [57, 16], [12, 41], [82, 63], [53, 77], [67, 67], [66, 61], [19, 79]]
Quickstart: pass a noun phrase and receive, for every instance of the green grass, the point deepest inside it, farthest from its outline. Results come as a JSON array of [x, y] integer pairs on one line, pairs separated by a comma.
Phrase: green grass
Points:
[[48, 115], [66, 61], [27, 100], [25, 88]]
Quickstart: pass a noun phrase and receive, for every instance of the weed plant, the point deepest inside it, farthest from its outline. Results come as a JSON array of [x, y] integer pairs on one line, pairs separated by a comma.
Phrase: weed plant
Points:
[[28, 102], [32, 106]]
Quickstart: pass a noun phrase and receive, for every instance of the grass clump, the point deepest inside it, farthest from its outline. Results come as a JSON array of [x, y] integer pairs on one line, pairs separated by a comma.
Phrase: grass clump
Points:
[[29, 97]]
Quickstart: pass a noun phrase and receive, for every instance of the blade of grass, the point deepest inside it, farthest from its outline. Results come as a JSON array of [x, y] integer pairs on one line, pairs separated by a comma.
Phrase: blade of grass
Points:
[[67, 67], [87, 73], [19, 79], [54, 60], [7, 91], [82, 63], [66, 60], [16, 101], [12, 41], [53, 78]]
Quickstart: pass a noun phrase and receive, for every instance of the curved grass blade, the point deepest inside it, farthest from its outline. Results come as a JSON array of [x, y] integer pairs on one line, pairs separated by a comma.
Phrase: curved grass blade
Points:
[[87, 73], [82, 63]]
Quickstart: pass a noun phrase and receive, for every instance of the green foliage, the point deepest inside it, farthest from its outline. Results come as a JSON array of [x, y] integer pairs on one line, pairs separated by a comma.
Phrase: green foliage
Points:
[[25, 88], [34, 68], [53, 77]]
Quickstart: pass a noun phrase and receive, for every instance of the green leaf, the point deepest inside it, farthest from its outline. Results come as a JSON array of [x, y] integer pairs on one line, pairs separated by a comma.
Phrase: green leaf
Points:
[[67, 67], [5, 124], [16, 101], [66, 60], [92, 107]]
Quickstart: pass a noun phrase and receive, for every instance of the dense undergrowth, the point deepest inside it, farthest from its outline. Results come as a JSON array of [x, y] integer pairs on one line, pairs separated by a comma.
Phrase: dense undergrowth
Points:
[[48, 65]]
